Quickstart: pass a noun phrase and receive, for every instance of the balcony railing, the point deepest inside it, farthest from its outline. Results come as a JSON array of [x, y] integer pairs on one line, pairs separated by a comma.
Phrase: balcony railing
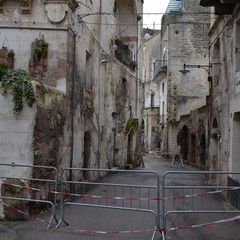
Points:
[[124, 54], [160, 66]]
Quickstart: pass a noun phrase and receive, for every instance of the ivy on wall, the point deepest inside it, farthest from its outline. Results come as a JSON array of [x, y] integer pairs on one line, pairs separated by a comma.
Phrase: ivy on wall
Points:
[[19, 82]]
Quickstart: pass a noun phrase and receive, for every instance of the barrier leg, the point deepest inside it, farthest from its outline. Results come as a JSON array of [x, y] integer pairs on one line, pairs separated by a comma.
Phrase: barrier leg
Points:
[[171, 165], [163, 235], [181, 161]]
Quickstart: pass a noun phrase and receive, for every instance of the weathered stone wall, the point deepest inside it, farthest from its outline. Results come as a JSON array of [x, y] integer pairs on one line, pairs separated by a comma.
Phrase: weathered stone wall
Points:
[[188, 40], [192, 137], [82, 111], [224, 117]]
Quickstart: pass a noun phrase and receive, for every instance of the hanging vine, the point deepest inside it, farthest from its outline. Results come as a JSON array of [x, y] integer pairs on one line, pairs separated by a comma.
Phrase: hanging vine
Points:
[[19, 82]]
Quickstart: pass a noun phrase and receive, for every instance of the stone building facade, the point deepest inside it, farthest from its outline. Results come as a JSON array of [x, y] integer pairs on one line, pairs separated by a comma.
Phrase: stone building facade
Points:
[[83, 52], [224, 131], [151, 68], [185, 41]]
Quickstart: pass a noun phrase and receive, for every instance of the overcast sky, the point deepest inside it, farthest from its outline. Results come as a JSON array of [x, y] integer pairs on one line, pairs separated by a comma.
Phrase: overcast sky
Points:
[[153, 6]]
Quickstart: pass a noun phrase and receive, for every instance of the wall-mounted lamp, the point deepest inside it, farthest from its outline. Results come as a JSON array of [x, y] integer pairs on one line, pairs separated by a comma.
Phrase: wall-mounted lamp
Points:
[[205, 67]]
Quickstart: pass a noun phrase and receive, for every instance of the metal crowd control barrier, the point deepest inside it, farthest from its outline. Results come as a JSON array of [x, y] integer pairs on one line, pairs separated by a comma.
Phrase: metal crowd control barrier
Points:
[[103, 188], [12, 171], [184, 192]]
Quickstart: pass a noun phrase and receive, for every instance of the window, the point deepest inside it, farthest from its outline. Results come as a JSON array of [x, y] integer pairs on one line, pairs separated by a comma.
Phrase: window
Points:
[[152, 99], [216, 58], [88, 71], [154, 65], [162, 87]]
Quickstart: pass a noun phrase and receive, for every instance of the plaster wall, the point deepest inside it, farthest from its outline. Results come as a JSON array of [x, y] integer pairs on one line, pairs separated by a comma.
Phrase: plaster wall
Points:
[[16, 135]]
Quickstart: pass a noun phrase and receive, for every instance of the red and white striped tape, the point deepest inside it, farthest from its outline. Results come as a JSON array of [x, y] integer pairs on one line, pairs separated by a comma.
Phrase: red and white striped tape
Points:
[[122, 198], [226, 220]]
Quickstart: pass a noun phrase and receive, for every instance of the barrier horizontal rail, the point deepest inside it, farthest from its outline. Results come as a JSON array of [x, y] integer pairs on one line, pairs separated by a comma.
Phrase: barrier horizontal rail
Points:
[[118, 190], [161, 230], [162, 213], [191, 184], [26, 173], [223, 189]]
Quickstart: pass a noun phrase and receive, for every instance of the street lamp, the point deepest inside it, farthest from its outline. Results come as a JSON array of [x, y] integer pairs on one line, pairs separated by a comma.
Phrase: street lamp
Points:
[[205, 67]]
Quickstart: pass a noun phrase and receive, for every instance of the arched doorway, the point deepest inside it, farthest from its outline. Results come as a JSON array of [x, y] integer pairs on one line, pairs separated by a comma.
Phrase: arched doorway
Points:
[[213, 154], [182, 141], [87, 153], [193, 148], [202, 150]]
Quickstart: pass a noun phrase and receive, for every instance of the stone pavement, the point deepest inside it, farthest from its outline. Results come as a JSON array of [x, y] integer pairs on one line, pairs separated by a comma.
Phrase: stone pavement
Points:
[[98, 219]]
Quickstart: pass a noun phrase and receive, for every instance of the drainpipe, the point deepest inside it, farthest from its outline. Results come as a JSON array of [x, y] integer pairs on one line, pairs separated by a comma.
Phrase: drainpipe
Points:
[[114, 117], [137, 72], [73, 100]]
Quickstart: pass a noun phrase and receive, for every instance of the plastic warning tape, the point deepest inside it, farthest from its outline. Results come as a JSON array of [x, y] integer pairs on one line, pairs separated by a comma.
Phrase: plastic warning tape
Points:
[[231, 219], [24, 213], [122, 198], [127, 231], [205, 224], [79, 195]]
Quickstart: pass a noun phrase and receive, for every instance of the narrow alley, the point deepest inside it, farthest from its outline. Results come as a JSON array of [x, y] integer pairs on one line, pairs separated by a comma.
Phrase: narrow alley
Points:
[[90, 221]]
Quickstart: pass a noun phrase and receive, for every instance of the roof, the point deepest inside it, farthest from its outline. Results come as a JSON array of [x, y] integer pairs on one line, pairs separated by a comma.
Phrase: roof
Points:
[[174, 5]]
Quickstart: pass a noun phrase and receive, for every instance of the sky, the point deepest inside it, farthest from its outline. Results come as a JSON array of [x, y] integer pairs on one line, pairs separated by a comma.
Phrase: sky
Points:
[[153, 6]]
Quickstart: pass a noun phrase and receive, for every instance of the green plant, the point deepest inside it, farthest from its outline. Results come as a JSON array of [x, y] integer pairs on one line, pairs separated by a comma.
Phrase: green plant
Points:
[[132, 122], [3, 70], [38, 51], [19, 81], [13, 193], [11, 54], [164, 67], [44, 44], [133, 64], [10, 189]]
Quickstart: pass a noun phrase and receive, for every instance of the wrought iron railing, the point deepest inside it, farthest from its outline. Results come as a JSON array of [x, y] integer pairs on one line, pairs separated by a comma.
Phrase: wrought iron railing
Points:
[[160, 66], [124, 54]]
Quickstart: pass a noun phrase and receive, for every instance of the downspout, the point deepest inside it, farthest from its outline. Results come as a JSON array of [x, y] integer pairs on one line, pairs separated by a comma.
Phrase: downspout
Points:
[[167, 103], [73, 100]]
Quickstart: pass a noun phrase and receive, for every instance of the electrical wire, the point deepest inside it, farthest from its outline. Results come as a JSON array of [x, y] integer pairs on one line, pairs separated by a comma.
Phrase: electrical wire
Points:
[[141, 13], [85, 5], [112, 58]]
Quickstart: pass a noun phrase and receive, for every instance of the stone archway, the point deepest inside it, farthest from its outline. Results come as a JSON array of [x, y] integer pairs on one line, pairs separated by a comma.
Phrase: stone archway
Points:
[[192, 149], [202, 150], [182, 141]]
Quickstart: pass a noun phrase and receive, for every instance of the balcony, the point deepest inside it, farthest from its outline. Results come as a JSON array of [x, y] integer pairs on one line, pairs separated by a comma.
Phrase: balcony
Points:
[[221, 7], [160, 66], [123, 54]]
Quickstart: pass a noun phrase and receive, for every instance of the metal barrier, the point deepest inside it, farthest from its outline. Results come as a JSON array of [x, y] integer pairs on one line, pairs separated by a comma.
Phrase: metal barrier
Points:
[[192, 193], [105, 188], [195, 192], [33, 183]]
